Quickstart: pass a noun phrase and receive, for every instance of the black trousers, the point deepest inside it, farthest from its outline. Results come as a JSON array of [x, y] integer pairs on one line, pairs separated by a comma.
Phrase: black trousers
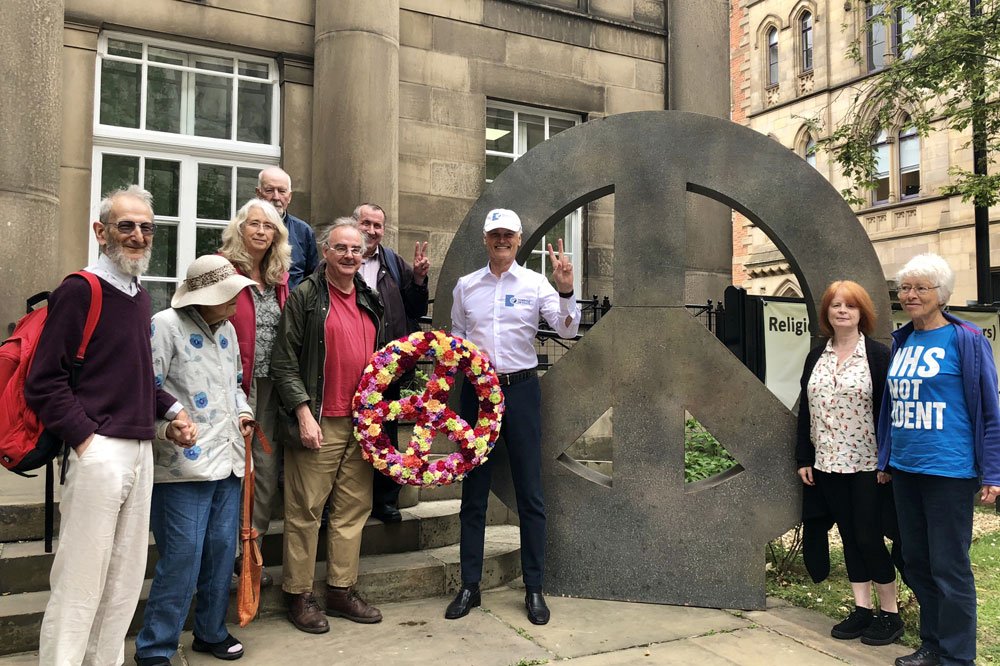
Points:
[[521, 433], [384, 489], [854, 502]]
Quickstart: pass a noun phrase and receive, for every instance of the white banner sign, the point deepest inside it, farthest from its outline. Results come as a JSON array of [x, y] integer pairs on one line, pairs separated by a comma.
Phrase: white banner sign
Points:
[[786, 345]]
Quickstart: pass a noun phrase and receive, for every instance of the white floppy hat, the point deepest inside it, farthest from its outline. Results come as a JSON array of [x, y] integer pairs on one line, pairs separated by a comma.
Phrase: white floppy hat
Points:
[[211, 280], [501, 218]]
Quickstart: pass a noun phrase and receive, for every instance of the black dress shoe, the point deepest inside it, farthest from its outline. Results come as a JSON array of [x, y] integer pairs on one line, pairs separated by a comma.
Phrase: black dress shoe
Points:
[[464, 601], [538, 612], [387, 513], [922, 657]]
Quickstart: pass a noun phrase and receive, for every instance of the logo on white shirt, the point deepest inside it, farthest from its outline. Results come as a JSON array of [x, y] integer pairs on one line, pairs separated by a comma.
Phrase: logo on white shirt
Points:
[[511, 301]]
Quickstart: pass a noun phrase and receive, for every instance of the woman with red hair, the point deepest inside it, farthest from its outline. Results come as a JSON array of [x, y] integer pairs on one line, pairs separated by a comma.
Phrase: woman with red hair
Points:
[[836, 452]]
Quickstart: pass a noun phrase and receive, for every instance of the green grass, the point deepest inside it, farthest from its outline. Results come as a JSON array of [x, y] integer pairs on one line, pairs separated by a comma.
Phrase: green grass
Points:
[[833, 597]]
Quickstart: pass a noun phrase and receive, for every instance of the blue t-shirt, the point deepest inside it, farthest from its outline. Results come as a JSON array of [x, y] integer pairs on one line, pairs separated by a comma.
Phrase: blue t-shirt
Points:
[[931, 430]]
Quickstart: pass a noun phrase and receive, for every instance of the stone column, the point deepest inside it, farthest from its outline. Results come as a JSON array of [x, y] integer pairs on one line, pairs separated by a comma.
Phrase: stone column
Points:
[[30, 136], [698, 52], [355, 144]]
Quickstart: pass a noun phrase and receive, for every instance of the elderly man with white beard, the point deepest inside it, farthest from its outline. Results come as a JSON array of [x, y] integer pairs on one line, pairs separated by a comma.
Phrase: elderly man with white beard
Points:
[[106, 413]]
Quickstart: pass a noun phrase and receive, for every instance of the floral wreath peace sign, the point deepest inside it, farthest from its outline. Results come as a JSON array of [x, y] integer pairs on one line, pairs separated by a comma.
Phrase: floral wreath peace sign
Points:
[[429, 410]]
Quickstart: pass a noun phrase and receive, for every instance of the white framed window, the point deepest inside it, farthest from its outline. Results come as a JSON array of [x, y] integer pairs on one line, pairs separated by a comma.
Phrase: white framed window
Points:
[[511, 131], [192, 125], [772, 57], [880, 146]]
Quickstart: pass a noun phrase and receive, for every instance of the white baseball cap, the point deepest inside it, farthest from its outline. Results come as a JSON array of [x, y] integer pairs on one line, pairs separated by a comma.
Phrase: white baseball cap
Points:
[[501, 218]]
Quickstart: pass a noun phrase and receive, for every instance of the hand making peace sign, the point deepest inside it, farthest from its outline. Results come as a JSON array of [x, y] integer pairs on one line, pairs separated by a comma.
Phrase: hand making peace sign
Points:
[[562, 269], [421, 264]]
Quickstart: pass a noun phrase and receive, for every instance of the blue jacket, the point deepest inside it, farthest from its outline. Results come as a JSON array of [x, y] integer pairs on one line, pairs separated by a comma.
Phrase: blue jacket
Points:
[[979, 378], [305, 255]]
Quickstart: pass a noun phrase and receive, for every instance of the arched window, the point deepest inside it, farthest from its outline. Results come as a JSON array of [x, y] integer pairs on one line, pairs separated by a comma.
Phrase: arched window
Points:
[[772, 57], [809, 152], [909, 162], [806, 40], [882, 168]]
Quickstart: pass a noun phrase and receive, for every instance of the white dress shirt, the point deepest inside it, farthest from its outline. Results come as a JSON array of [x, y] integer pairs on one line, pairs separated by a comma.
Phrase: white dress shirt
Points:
[[369, 269], [500, 314]]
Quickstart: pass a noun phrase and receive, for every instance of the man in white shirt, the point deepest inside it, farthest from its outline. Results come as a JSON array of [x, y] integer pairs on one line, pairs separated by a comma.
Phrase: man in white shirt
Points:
[[498, 308]]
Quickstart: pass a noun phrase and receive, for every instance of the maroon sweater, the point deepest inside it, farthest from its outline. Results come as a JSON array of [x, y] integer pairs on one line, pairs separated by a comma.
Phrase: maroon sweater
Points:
[[116, 395]]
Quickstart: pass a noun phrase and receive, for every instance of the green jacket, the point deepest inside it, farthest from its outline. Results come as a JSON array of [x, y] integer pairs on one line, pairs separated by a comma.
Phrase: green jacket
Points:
[[299, 355]]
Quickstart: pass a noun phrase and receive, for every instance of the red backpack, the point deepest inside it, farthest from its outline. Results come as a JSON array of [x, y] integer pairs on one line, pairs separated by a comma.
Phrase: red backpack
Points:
[[24, 444]]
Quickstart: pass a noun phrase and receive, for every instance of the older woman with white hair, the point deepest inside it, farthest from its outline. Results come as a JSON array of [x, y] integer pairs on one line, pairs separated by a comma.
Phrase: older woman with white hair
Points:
[[939, 441], [256, 242]]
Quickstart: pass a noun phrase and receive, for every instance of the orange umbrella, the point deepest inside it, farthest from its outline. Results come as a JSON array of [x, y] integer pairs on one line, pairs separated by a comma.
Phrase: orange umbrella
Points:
[[248, 591]]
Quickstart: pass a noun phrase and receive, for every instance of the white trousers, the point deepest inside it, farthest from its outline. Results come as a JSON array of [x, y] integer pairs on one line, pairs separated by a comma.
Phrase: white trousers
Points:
[[100, 562]]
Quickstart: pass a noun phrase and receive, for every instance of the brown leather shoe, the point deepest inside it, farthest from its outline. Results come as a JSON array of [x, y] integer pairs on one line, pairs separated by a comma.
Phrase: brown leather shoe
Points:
[[345, 602], [306, 615]]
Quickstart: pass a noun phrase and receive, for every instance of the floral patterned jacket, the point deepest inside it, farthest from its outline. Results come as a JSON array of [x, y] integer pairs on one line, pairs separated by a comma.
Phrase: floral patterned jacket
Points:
[[202, 369]]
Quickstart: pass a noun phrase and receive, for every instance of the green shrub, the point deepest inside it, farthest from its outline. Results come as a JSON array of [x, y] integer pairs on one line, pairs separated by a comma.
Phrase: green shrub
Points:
[[703, 455]]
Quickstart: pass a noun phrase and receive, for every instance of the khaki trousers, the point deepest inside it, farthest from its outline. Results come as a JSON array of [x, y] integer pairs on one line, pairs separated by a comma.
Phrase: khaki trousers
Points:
[[263, 401], [98, 569], [338, 472]]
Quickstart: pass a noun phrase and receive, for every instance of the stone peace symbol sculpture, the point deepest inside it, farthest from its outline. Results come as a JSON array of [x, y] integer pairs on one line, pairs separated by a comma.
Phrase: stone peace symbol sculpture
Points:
[[643, 534]]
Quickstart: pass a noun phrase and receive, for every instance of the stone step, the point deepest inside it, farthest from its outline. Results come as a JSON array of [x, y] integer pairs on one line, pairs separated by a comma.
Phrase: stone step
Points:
[[381, 578], [24, 566]]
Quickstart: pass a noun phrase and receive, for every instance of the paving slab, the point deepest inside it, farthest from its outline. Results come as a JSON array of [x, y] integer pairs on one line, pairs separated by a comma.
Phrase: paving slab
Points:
[[674, 653], [762, 648], [588, 626]]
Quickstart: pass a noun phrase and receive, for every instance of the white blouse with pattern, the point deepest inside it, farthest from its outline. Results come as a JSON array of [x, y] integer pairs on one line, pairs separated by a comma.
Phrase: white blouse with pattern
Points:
[[840, 412]]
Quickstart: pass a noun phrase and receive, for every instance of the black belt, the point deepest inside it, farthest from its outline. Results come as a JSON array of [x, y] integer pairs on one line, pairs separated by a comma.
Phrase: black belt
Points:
[[508, 378]]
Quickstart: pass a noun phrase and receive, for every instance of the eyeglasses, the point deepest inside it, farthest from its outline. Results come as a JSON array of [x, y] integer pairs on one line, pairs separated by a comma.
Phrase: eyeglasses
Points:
[[921, 291], [256, 226], [342, 250], [128, 226]]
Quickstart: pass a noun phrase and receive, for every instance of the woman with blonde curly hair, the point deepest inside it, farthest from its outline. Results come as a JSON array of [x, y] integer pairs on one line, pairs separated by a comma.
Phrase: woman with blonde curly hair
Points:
[[256, 243]]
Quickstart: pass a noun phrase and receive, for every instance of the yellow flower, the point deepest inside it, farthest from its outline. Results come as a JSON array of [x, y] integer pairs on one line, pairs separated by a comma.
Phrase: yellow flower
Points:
[[374, 429], [374, 397]]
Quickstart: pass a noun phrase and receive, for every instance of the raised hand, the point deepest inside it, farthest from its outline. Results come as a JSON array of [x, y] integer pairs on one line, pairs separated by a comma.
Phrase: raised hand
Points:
[[421, 263], [562, 269]]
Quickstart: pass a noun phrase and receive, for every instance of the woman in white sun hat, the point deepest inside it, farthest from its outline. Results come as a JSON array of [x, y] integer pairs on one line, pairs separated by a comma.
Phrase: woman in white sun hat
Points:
[[196, 493]]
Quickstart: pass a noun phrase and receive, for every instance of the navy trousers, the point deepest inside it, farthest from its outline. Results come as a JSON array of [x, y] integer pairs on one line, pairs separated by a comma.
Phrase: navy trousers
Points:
[[935, 524], [521, 433]]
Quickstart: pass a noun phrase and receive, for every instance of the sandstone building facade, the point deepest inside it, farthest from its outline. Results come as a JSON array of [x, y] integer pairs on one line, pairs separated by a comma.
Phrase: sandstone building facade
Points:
[[791, 63]]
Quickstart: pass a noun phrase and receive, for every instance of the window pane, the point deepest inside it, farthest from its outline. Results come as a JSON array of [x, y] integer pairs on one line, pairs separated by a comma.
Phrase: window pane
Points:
[[254, 112], [901, 26], [909, 152], [810, 152], [807, 42], [213, 64], [164, 88], [500, 130], [246, 184], [255, 69], [882, 190], [531, 132], [772, 56], [909, 183], [214, 188], [166, 55], [120, 47], [208, 240], [120, 93], [213, 106], [164, 260], [160, 293], [496, 164], [876, 36], [118, 171], [534, 262], [163, 180], [557, 125]]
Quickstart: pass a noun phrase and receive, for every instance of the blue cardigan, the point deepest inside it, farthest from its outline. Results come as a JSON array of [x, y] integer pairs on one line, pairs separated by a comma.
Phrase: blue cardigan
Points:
[[979, 378]]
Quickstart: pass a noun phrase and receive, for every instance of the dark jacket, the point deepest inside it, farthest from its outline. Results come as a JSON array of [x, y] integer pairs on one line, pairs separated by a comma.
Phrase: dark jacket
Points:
[[305, 254], [299, 355], [979, 381], [404, 303]]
